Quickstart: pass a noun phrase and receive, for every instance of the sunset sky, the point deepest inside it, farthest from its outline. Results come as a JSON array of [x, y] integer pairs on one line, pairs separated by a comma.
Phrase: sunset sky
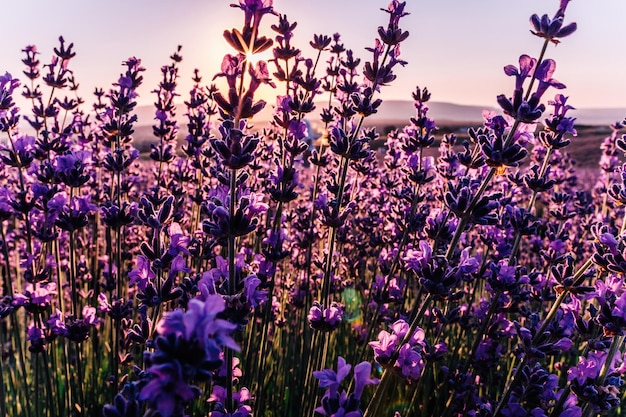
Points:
[[456, 47]]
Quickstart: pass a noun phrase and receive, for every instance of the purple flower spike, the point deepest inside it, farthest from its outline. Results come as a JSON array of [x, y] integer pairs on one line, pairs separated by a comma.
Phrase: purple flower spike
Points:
[[410, 362], [362, 378], [526, 67], [544, 75], [331, 379], [142, 274], [562, 7], [200, 323], [167, 390], [37, 339], [254, 9], [8, 84], [552, 29], [325, 319], [620, 307]]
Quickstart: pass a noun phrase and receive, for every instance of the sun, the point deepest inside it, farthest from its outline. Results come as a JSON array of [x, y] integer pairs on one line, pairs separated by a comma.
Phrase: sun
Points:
[[262, 56]]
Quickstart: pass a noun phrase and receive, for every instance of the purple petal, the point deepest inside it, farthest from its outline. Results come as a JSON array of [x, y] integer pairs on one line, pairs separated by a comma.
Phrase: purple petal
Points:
[[343, 369], [510, 70], [545, 70], [567, 30]]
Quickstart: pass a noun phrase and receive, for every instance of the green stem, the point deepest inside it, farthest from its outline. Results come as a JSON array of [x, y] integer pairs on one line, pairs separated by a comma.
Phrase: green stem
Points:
[[3, 394], [616, 344], [79, 372], [37, 390], [539, 60], [375, 402], [22, 363], [511, 383], [333, 234], [51, 406], [557, 303], [232, 285]]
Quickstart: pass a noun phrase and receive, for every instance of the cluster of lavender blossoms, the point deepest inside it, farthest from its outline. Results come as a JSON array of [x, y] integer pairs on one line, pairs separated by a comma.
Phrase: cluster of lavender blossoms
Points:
[[224, 266]]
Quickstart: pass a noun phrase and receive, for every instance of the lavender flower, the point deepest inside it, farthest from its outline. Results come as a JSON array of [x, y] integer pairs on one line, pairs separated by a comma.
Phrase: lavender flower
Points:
[[552, 29], [167, 391], [335, 403], [200, 323]]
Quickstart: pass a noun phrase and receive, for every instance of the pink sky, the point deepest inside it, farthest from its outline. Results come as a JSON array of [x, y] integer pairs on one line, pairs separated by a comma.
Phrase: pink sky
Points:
[[457, 47]]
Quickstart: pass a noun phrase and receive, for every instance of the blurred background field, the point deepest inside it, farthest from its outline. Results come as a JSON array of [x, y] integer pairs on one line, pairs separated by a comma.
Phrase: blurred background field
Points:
[[593, 125]]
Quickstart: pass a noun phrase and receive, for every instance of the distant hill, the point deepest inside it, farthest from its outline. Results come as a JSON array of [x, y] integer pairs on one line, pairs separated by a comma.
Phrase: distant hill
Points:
[[399, 112], [599, 116], [592, 124]]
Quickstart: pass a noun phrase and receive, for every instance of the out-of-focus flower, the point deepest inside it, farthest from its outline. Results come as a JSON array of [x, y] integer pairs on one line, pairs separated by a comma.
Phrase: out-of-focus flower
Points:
[[552, 29]]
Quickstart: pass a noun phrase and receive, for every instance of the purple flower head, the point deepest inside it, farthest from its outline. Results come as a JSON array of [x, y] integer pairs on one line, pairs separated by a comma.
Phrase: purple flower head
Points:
[[178, 241], [56, 324], [559, 124], [502, 276], [571, 409], [177, 265], [520, 109], [552, 29], [609, 241], [418, 259], [409, 363], [325, 319], [587, 368], [283, 105], [400, 328], [255, 9], [619, 309], [320, 42], [142, 274], [544, 75], [200, 323], [260, 75], [232, 66], [387, 342], [34, 333], [330, 379], [393, 35], [298, 129], [21, 154], [62, 52], [167, 391], [70, 168], [563, 344], [32, 71], [384, 347], [9, 120], [396, 11], [8, 84], [362, 378], [103, 303], [468, 264], [236, 149], [254, 295], [333, 315], [560, 105], [40, 295], [607, 288], [218, 395], [526, 67], [5, 207], [562, 6], [36, 337], [89, 316]]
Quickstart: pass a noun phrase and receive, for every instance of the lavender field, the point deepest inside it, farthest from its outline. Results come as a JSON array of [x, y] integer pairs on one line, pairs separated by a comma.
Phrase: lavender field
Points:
[[316, 264]]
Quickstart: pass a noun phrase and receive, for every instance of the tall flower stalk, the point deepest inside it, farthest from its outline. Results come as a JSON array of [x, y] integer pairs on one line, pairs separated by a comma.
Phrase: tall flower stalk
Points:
[[246, 271]]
